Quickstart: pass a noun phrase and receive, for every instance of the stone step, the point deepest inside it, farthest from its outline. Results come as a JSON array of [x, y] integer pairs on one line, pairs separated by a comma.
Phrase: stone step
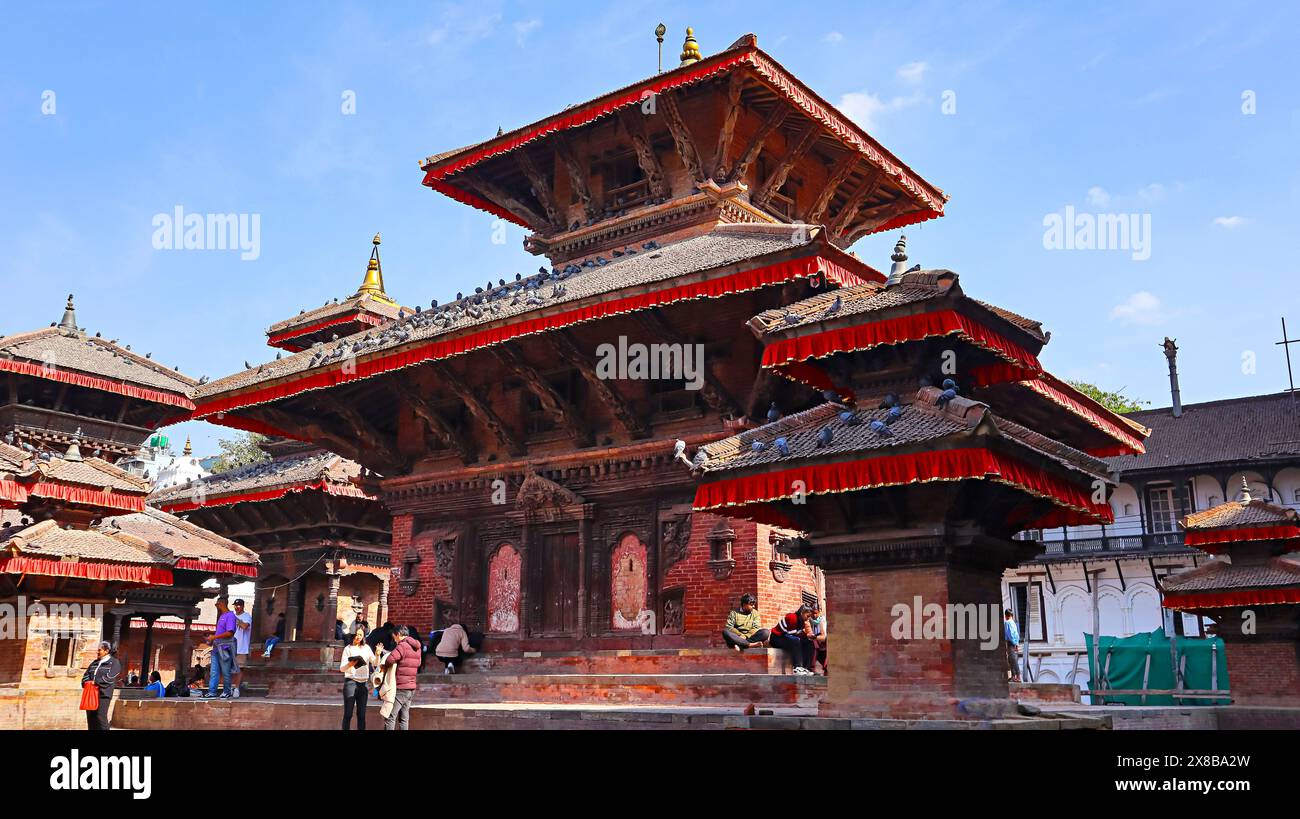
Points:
[[731, 689]]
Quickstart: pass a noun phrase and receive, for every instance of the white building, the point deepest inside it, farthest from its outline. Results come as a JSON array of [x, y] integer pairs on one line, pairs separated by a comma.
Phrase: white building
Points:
[[156, 462]]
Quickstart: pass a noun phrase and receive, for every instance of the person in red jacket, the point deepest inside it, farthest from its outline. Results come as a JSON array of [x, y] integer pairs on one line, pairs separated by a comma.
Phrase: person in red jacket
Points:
[[407, 658], [792, 633]]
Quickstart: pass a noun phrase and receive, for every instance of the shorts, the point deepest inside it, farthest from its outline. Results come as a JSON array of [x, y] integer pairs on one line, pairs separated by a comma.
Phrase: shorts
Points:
[[240, 660]]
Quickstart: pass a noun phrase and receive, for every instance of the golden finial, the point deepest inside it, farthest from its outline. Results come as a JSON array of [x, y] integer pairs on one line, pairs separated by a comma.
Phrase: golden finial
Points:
[[188, 451], [690, 49], [373, 284]]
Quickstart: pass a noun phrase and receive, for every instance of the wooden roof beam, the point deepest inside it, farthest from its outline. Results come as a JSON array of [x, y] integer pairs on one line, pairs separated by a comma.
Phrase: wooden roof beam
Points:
[[481, 411], [735, 85], [488, 189], [850, 210], [617, 405], [801, 145], [363, 431], [770, 123], [554, 403], [839, 173], [450, 435], [712, 391], [634, 123], [542, 188], [685, 142], [577, 174]]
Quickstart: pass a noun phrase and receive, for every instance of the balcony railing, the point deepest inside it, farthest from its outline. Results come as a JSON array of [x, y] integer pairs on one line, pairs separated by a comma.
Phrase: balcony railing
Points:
[[1158, 542]]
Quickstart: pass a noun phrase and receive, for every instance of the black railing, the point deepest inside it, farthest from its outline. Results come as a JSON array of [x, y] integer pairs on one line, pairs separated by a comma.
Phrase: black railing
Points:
[[1157, 542]]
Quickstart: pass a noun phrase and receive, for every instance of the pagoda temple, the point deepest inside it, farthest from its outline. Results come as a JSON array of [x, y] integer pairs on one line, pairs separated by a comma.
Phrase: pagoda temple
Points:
[[81, 554], [1252, 592]]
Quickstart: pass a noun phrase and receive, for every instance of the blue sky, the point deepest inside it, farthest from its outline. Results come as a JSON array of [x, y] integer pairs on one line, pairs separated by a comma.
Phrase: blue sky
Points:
[[1114, 108]]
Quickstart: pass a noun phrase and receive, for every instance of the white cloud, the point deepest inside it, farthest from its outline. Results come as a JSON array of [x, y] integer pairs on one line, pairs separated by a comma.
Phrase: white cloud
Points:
[[865, 108], [1098, 197], [1153, 192], [525, 27], [834, 37], [1229, 222], [912, 72], [459, 25], [1140, 308]]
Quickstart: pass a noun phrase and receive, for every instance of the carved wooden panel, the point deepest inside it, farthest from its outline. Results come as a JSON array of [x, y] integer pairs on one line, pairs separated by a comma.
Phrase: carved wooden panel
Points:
[[504, 590], [628, 586], [672, 611]]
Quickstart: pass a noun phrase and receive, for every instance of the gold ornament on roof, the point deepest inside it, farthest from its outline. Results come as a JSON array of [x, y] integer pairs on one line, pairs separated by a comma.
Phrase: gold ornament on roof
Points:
[[690, 49], [373, 285]]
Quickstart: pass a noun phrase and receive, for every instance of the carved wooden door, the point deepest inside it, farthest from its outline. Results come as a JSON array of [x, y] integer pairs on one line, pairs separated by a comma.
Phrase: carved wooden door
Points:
[[559, 590]]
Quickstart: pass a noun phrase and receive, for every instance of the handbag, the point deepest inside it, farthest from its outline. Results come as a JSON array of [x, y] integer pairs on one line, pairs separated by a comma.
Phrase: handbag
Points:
[[89, 696]]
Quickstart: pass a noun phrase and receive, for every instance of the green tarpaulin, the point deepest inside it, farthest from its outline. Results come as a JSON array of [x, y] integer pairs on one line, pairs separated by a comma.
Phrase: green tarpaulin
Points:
[[1144, 661]]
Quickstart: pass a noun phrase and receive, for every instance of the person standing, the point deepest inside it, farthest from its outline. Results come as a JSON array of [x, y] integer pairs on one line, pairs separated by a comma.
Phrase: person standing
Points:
[[743, 628], [243, 642], [405, 657], [222, 640], [101, 678], [357, 659], [1011, 632]]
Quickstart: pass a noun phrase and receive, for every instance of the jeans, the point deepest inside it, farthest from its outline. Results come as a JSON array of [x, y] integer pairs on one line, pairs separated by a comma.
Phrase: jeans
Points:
[[401, 713], [1013, 661], [735, 638], [270, 644], [354, 696], [799, 648], [223, 660]]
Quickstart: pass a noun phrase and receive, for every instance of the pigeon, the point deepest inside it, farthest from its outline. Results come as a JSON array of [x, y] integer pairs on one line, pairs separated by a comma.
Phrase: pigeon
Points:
[[757, 446], [850, 418], [913, 269], [247, 366], [277, 356], [891, 400], [782, 446], [679, 453], [893, 415], [773, 413], [791, 318], [401, 316], [700, 458], [949, 392], [824, 437], [881, 428], [834, 308], [831, 396]]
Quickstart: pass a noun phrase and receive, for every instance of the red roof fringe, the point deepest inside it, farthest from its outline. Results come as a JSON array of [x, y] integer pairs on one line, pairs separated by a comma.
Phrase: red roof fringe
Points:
[[1248, 597], [441, 348], [94, 382], [1202, 538], [896, 331], [106, 498], [360, 315], [143, 575], [217, 566], [329, 488], [896, 470]]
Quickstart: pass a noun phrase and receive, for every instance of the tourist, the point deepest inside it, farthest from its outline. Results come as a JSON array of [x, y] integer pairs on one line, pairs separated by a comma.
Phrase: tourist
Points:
[[792, 635], [97, 686], [177, 687], [198, 677], [274, 638], [817, 629], [155, 686], [355, 665], [222, 667], [405, 658], [243, 641], [743, 626], [453, 647], [132, 680], [384, 637], [1011, 632]]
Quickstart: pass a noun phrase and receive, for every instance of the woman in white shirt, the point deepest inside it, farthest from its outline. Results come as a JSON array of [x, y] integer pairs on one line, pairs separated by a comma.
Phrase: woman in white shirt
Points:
[[357, 659]]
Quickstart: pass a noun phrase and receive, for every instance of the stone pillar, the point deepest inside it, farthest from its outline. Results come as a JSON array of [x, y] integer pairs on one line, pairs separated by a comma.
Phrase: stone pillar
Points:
[[331, 608], [148, 647], [383, 601], [291, 608], [184, 660]]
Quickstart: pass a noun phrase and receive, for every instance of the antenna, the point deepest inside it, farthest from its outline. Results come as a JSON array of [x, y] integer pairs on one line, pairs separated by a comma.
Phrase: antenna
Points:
[[660, 31], [1286, 343]]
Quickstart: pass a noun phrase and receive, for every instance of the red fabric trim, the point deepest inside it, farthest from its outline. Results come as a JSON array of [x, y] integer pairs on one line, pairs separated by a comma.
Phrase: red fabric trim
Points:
[[12, 491], [897, 470], [813, 376], [477, 202], [1063, 395], [94, 382], [1214, 600], [910, 219], [440, 348], [217, 566], [251, 425], [294, 332], [145, 575], [346, 491], [896, 331], [574, 117], [1208, 537], [989, 375], [105, 498]]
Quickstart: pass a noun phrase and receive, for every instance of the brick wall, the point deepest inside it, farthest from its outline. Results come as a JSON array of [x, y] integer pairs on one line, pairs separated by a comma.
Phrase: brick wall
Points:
[[1264, 671]]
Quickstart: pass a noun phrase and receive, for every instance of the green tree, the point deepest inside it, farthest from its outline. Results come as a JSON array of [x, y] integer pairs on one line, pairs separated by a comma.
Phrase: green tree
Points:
[[1113, 401], [239, 451]]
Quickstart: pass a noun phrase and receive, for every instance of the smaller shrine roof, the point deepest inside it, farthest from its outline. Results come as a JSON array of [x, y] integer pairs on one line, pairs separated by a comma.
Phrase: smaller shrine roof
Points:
[[364, 303], [94, 472], [47, 539], [1240, 513], [1223, 574], [182, 538], [322, 470], [64, 352]]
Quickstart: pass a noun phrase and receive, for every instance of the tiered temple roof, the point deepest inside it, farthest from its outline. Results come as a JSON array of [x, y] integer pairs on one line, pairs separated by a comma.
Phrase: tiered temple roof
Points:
[[267, 480], [370, 306]]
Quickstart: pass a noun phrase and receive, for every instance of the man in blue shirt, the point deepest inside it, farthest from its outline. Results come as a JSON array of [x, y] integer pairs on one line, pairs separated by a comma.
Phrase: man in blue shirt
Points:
[[1011, 633]]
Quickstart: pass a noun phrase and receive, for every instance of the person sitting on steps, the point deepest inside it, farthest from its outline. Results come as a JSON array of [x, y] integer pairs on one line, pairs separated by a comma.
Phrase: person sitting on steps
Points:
[[743, 628], [792, 634]]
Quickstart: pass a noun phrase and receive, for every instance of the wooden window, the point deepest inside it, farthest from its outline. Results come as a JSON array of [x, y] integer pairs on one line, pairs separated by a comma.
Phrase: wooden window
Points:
[[623, 183], [670, 397], [1030, 610]]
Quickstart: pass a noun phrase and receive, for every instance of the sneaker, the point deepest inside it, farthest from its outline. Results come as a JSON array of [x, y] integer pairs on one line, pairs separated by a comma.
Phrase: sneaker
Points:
[[801, 670], [733, 645], [450, 669], [225, 695], [234, 693], [207, 695]]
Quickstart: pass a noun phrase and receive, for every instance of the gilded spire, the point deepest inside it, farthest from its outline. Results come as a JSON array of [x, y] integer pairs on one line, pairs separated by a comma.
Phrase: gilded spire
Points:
[[69, 321], [188, 451], [690, 49], [373, 285]]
